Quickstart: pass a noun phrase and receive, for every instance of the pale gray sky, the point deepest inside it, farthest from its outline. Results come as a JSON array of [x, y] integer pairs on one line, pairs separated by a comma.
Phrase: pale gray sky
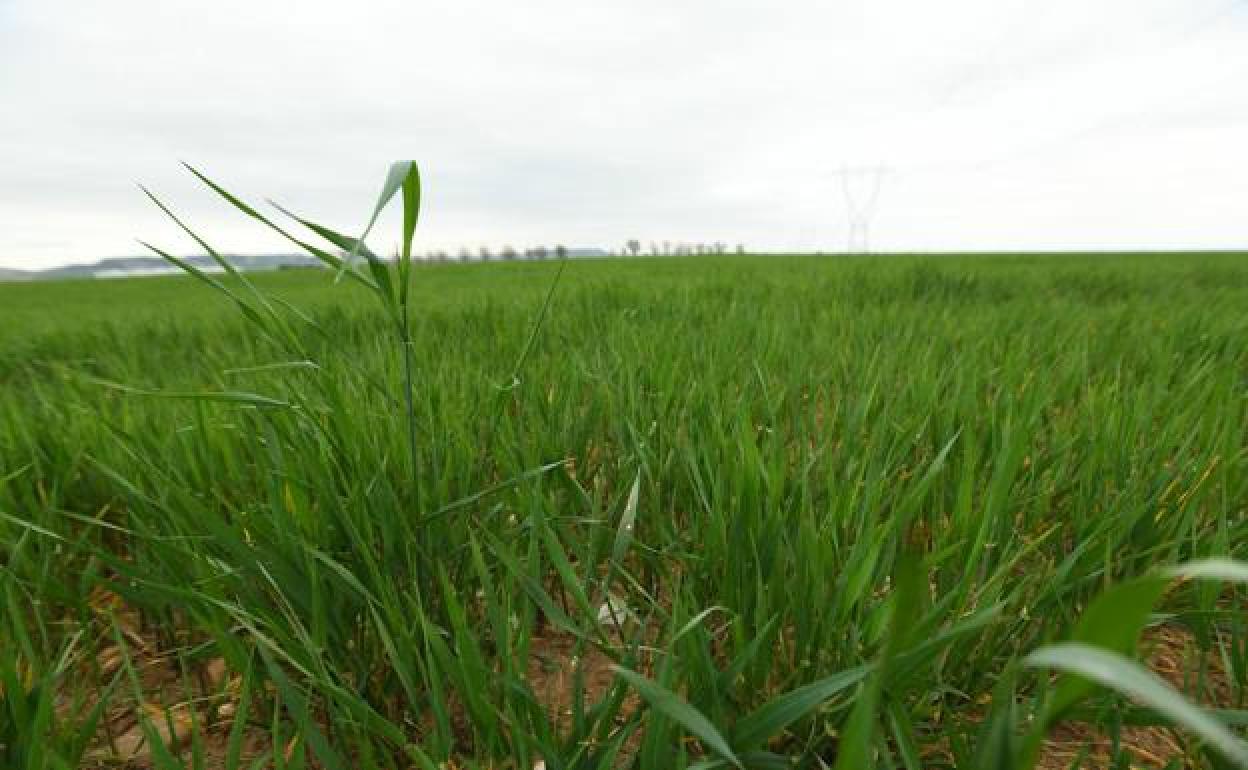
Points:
[[1021, 124]]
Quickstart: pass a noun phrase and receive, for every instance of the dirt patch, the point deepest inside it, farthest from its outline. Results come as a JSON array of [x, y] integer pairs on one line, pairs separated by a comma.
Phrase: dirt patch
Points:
[[177, 706], [1148, 747], [558, 673], [160, 702]]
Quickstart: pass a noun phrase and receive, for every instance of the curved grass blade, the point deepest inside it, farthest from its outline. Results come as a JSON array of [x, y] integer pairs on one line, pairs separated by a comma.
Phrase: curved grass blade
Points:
[[225, 396], [411, 213], [780, 712], [395, 178], [216, 256], [275, 367], [909, 594], [675, 708], [399, 171], [344, 242], [624, 535], [246, 309], [484, 493], [537, 327], [324, 256], [853, 751], [1119, 673]]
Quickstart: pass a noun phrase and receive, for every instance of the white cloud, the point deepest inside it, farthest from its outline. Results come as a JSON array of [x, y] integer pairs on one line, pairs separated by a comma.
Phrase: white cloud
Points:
[[1005, 123]]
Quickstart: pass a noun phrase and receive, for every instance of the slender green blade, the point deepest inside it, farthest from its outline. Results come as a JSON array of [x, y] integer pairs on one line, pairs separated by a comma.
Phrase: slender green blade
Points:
[[395, 178], [411, 214], [628, 520], [223, 396], [675, 708], [328, 259], [780, 712]]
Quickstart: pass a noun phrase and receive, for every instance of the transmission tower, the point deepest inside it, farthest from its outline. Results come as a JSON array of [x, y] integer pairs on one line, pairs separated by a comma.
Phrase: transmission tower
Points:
[[861, 188]]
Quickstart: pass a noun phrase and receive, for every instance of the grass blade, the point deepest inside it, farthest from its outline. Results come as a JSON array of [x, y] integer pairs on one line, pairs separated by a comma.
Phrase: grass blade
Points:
[[675, 708], [782, 711]]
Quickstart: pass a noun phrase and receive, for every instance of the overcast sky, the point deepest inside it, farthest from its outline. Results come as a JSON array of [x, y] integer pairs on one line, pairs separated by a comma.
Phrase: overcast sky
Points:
[[1019, 124]]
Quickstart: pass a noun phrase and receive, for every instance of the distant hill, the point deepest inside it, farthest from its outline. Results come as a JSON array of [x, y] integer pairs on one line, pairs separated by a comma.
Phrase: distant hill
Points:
[[120, 267]]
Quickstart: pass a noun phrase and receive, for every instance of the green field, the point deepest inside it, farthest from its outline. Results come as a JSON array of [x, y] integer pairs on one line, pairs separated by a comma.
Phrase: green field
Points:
[[884, 479]]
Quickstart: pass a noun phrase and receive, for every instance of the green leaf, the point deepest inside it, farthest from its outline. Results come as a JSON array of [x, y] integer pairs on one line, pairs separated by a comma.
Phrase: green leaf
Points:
[[908, 597], [411, 213], [853, 751], [344, 242], [492, 489], [910, 594], [675, 708], [533, 587], [397, 175], [1129, 678], [727, 678], [250, 312], [781, 711], [275, 367], [997, 743], [624, 534], [754, 760], [572, 583], [7, 478], [225, 396], [213, 253], [353, 246], [324, 256], [299, 708], [696, 620]]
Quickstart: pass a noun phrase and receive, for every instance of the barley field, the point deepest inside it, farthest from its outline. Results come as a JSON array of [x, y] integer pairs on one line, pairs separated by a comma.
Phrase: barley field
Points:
[[758, 511]]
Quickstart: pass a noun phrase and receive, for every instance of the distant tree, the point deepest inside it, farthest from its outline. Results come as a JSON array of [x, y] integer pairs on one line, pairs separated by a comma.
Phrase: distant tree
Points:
[[740, 248], [561, 251], [541, 253], [667, 248], [634, 246], [485, 253], [509, 253], [465, 254]]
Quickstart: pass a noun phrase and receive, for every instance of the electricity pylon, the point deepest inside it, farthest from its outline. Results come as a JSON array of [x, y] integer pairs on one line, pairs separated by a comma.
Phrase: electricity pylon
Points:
[[859, 207]]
